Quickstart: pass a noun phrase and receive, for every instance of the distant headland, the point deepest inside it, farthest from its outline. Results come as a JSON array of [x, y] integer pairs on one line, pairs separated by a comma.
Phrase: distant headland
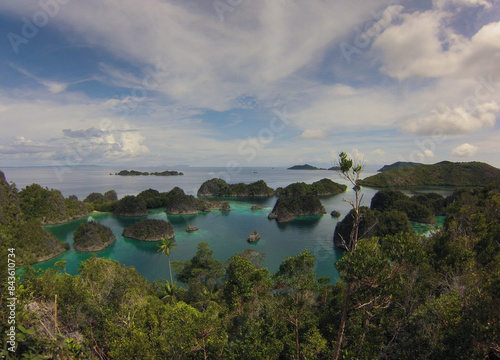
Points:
[[444, 173]]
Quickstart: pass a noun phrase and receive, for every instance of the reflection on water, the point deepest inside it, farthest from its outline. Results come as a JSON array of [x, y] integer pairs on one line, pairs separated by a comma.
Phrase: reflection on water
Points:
[[225, 231]]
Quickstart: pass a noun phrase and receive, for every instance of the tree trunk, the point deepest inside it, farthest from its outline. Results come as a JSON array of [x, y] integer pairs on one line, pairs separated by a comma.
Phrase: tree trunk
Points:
[[343, 321], [171, 280], [297, 343]]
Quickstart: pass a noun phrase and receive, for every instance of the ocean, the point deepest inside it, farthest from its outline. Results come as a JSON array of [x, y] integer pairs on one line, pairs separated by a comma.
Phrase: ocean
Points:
[[226, 232]]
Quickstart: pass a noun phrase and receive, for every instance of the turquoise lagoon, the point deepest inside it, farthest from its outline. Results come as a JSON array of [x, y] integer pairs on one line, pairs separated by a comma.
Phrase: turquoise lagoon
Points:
[[226, 232]]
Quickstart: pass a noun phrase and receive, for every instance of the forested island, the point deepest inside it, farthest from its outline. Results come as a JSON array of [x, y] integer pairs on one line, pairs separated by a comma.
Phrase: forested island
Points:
[[409, 296], [220, 188], [444, 173], [311, 167], [92, 236], [145, 173], [150, 230], [301, 199]]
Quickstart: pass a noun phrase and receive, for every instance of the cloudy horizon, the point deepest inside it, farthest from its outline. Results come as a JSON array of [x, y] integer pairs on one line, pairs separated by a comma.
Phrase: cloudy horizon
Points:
[[248, 83]]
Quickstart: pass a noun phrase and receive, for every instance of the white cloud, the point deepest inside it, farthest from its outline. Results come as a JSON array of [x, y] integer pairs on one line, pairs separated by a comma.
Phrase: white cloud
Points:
[[423, 45], [378, 152], [456, 121], [131, 144], [428, 153], [440, 4], [464, 150], [313, 134], [259, 48]]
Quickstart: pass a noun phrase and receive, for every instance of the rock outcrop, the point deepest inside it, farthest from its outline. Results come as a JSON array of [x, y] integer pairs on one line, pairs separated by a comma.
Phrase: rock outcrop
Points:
[[178, 203], [130, 206], [323, 187], [190, 228], [220, 188], [253, 237], [289, 207], [150, 230], [335, 213], [92, 236]]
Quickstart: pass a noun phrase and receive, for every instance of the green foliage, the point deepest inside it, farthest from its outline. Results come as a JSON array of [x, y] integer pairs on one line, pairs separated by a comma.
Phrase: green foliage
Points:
[[420, 208], [392, 222], [99, 202], [49, 206], [92, 236], [444, 173], [220, 188], [177, 202], [301, 199], [244, 282], [367, 226], [130, 206], [385, 199], [202, 273], [323, 187], [152, 198], [149, 230]]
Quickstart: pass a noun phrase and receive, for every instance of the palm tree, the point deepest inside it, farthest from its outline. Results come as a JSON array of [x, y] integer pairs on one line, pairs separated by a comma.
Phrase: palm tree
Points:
[[165, 247]]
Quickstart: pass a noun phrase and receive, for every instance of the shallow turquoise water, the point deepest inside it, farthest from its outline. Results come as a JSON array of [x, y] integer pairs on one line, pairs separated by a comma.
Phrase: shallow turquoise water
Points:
[[226, 232]]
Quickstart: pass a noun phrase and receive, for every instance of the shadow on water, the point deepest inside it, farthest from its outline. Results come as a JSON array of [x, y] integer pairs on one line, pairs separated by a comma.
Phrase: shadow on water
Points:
[[125, 221], [147, 247], [301, 222]]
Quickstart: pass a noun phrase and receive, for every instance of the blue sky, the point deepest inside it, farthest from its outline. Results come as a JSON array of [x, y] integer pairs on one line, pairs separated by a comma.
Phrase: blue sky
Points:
[[248, 83]]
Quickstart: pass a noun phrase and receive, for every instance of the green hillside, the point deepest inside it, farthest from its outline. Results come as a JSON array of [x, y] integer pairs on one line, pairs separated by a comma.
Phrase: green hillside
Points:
[[444, 173]]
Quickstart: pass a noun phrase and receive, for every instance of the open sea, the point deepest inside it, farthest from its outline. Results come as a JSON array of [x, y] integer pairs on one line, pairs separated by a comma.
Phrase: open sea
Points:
[[226, 232]]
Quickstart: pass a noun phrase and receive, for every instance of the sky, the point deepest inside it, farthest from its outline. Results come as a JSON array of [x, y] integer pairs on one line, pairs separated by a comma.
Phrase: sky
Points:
[[240, 83]]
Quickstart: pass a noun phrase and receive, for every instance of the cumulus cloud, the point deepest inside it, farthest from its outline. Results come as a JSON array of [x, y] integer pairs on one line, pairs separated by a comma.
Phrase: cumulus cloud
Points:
[[422, 44], [428, 153], [454, 121], [313, 134], [131, 144], [464, 150]]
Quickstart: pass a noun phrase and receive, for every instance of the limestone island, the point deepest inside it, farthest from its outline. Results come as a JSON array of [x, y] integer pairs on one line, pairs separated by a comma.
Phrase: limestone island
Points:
[[301, 199], [253, 237], [220, 188], [444, 173], [130, 206], [191, 228], [145, 173], [149, 230], [21, 214], [289, 207], [92, 236], [323, 187], [335, 213], [310, 167]]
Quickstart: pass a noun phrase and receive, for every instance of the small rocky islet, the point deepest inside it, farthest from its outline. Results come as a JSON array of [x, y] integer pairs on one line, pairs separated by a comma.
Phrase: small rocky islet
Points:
[[92, 236], [149, 230]]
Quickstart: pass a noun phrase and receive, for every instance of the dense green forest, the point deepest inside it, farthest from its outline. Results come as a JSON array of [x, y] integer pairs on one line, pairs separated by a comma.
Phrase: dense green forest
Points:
[[444, 173], [410, 297]]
